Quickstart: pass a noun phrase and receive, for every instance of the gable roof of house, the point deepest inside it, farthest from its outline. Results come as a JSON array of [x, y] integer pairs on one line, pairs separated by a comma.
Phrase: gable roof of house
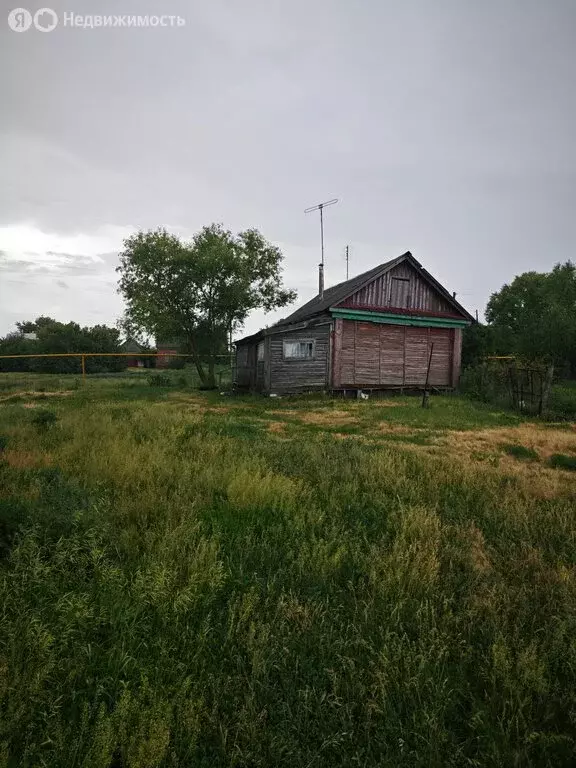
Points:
[[338, 293], [130, 345]]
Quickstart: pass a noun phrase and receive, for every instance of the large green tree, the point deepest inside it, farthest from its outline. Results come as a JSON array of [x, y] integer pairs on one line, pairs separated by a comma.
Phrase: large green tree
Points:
[[201, 290], [53, 337], [535, 316]]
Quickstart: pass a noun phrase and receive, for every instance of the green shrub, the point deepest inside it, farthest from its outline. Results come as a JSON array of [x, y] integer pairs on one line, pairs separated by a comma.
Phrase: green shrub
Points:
[[562, 404], [520, 452], [562, 461], [43, 419], [160, 380], [176, 363]]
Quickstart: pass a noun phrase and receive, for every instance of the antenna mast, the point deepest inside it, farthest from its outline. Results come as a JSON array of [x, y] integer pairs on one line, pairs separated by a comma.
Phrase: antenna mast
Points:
[[320, 207]]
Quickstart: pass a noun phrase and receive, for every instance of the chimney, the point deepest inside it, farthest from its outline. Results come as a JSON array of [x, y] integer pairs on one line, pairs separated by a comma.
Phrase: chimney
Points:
[[453, 294], [321, 280]]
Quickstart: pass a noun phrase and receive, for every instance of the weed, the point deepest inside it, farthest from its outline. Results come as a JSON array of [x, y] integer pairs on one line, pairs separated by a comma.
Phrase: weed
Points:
[[44, 419], [520, 452], [160, 380], [562, 461], [488, 456]]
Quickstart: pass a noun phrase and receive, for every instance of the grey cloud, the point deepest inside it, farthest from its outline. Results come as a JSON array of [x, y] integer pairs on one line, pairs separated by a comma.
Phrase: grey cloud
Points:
[[63, 264], [445, 128]]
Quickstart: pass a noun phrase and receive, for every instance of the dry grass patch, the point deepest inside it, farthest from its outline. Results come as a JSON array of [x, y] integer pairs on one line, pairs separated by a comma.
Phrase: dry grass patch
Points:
[[485, 447], [477, 548], [277, 427], [544, 441], [195, 403], [26, 459], [396, 429], [329, 418], [326, 417], [34, 395], [282, 414]]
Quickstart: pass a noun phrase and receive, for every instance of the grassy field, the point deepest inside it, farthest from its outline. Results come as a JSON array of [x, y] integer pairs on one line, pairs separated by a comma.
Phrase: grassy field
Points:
[[203, 580]]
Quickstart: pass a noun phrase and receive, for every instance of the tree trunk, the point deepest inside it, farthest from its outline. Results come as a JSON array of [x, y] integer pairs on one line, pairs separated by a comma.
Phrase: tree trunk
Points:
[[199, 368], [197, 362], [211, 379]]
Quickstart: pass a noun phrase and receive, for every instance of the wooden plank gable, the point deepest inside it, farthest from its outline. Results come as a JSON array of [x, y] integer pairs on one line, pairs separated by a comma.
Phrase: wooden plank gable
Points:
[[401, 287]]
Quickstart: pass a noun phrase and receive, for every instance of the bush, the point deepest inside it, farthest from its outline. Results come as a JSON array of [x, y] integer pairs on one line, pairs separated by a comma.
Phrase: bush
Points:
[[562, 403], [44, 419], [520, 452], [562, 461], [160, 380], [483, 382]]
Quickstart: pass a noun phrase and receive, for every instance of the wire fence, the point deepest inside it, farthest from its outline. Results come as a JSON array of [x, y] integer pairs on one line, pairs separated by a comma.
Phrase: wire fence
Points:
[[504, 379]]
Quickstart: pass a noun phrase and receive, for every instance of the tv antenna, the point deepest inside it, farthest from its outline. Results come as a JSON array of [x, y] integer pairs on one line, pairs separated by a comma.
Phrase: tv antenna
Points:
[[320, 207]]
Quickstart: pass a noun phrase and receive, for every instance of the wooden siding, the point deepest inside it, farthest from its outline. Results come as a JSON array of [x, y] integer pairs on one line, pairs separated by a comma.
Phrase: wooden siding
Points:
[[245, 375], [441, 363], [371, 355], [416, 359], [299, 375], [457, 357], [385, 292]]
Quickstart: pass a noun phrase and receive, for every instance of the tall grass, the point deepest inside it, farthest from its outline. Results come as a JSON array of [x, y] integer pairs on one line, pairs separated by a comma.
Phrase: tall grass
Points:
[[178, 593]]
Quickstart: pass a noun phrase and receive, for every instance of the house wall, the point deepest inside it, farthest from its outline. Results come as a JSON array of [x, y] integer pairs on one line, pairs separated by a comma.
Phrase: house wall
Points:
[[163, 360], [371, 355], [420, 294], [245, 375], [457, 357], [299, 375]]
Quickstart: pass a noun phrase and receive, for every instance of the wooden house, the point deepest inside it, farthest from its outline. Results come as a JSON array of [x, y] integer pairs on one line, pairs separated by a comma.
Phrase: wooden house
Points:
[[166, 349], [379, 330], [131, 347]]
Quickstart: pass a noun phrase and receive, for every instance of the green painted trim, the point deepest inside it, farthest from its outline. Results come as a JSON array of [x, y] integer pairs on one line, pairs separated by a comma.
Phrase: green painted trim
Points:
[[392, 319]]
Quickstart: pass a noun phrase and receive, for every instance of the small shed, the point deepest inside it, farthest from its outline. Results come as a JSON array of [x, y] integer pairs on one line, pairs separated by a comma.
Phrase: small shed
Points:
[[379, 330]]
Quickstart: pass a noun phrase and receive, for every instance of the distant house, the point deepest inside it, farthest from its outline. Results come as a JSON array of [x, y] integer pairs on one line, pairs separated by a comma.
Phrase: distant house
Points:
[[379, 330], [129, 346], [166, 348]]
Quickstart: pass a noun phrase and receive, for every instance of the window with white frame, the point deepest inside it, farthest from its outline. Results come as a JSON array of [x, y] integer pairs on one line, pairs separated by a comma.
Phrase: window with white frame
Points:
[[299, 350], [260, 352]]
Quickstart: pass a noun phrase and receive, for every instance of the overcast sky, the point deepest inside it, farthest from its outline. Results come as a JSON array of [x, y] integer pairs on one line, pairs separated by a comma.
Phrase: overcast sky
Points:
[[445, 127]]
